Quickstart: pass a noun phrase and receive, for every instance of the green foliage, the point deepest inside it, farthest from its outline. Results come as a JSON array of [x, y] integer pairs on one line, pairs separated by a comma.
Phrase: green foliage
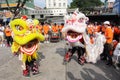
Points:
[[85, 3]]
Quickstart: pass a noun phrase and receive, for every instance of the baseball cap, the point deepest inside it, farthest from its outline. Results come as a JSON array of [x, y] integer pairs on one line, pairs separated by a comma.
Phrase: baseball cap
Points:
[[107, 22]]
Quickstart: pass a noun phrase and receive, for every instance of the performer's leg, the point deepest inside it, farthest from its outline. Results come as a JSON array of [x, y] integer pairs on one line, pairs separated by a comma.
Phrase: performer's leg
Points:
[[103, 56], [108, 54], [73, 50], [35, 69], [80, 52], [69, 54], [26, 71]]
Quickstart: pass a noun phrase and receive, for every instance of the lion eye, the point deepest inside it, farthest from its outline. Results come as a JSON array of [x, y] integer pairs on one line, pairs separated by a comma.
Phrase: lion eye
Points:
[[18, 27]]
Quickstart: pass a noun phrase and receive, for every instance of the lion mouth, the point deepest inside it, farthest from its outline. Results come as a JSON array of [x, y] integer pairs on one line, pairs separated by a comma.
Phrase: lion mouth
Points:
[[30, 47], [73, 36]]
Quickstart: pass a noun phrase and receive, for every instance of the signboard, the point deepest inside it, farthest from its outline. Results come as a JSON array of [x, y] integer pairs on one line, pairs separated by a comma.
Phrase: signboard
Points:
[[11, 5]]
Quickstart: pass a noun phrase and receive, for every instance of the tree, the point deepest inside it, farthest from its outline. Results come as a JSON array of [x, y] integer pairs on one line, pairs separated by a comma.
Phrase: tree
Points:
[[16, 10], [85, 3]]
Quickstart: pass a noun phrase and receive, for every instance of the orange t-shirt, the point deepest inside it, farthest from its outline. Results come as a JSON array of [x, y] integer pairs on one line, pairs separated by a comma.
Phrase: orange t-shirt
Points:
[[46, 29], [55, 28], [39, 27], [90, 29], [97, 29], [61, 27], [8, 32], [109, 35], [116, 30]]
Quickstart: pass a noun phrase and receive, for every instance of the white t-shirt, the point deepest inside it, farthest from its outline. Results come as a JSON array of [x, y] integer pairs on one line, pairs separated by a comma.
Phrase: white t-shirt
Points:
[[2, 30]]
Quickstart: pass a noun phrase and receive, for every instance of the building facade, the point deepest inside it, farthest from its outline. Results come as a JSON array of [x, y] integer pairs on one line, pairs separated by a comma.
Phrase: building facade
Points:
[[54, 11], [48, 14]]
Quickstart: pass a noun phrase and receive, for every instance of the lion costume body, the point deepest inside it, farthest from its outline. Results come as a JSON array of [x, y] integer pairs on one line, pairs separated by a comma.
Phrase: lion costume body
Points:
[[75, 26], [25, 44]]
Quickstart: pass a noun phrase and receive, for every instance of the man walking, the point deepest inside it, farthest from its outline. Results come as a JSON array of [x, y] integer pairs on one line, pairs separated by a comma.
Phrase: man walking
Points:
[[108, 45]]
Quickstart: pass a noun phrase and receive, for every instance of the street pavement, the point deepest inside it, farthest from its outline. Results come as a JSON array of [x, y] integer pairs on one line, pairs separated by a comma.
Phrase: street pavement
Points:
[[52, 67]]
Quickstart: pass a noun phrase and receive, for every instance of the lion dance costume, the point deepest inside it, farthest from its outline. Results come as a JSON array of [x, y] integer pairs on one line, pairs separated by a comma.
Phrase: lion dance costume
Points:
[[78, 39], [26, 41], [75, 26]]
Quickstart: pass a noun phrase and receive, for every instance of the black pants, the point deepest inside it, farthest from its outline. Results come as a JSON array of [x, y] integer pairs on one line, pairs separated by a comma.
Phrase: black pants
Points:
[[9, 40], [106, 52], [80, 51], [30, 66]]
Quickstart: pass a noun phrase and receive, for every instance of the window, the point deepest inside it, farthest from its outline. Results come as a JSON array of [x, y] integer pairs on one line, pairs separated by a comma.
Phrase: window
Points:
[[64, 4], [59, 4], [54, 4], [33, 12], [49, 5]]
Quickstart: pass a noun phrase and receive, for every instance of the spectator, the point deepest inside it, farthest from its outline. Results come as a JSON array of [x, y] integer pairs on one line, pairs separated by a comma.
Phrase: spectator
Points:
[[1, 35], [46, 30], [8, 32], [108, 45]]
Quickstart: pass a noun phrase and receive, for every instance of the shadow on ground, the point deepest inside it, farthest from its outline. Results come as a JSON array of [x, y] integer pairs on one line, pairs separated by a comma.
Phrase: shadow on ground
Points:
[[100, 71], [71, 76]]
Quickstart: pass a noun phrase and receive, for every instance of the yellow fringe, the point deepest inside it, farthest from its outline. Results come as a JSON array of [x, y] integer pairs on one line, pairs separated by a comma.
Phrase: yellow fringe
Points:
[[15, 47], [29, 57]]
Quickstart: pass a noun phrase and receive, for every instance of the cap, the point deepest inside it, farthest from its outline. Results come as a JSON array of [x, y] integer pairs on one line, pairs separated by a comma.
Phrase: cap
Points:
[[107, 22]]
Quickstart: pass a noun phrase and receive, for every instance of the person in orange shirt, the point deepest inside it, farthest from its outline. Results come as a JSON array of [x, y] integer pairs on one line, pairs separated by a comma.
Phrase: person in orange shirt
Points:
[[8, 36], [108, 45], [46, 29], [60, 30], [55, 28], [96, 27], [61, 27], [90, 29], [39, 27], [116, 32]]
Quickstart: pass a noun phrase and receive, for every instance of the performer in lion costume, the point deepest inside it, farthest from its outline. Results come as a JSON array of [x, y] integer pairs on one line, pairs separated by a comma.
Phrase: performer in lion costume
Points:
[[75, 32], [75, 26], [26, 41]]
